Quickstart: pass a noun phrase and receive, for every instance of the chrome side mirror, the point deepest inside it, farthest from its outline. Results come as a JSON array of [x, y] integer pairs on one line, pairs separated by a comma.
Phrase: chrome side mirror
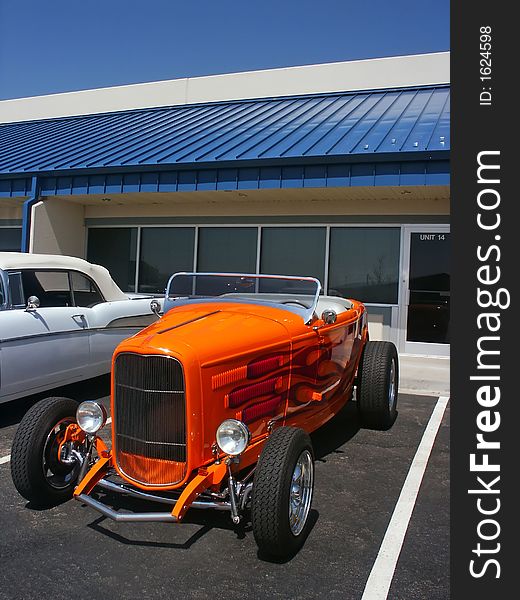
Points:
[[155, 307], [33, 302], [329, 316]]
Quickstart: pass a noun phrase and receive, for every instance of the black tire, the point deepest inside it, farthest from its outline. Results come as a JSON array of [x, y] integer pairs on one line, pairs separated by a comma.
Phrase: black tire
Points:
[[36, 471], [272, 492], [376, 401]]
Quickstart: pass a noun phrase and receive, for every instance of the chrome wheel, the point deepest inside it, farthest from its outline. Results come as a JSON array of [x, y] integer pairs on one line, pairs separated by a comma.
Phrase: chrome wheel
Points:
[[392, 388], [300, 497], [58, 475]]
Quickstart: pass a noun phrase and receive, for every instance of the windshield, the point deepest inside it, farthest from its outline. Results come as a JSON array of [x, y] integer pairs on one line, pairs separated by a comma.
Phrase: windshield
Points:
[[297, 294]]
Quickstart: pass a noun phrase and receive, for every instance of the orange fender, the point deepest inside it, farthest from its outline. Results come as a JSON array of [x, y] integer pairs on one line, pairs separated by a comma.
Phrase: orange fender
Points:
[[95, 475], [213, 475]]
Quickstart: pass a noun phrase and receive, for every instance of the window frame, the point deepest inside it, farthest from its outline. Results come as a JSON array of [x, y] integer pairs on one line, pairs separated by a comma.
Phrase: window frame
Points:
[[92, 282], [13, 272], [44, 270], [4, 288]]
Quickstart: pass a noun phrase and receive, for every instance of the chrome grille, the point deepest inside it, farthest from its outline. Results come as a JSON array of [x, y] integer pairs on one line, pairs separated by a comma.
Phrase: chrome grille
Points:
[[150, 418]]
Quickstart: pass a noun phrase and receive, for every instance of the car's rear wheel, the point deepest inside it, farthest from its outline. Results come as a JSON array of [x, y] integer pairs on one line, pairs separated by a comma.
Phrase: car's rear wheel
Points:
[[378, 382], [282, 492], [38, 474]]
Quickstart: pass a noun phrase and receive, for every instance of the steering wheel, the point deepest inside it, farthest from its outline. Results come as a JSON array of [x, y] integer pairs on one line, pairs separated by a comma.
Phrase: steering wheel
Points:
[[295, 302]]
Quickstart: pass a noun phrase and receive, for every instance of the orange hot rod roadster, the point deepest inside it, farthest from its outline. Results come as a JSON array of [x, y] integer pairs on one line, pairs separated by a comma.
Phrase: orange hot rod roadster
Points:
[[212, 407]]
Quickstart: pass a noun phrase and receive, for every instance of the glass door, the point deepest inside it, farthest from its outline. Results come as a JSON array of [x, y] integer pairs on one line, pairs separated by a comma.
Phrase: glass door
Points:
[[425, 317]]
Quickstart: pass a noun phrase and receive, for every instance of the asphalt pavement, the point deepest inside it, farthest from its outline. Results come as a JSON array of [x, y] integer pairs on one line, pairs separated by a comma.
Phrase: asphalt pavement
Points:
[[70, 551]]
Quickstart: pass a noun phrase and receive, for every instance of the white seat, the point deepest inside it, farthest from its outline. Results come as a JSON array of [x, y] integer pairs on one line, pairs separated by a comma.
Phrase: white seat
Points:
[[335, 303]]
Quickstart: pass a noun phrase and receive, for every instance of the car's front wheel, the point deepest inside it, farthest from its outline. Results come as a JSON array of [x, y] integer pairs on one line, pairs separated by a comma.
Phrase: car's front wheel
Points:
[[282, 492], [37, 472]]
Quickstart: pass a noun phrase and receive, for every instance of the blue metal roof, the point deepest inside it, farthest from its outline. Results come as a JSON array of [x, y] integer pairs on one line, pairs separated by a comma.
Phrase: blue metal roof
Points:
[[325, 127]]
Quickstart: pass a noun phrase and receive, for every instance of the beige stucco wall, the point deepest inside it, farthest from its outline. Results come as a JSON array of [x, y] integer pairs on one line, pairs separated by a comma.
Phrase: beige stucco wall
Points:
[[375, 327], [58, 227]]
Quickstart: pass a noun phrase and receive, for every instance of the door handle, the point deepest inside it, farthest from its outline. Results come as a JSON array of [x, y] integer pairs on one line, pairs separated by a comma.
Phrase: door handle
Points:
[[81, 319]]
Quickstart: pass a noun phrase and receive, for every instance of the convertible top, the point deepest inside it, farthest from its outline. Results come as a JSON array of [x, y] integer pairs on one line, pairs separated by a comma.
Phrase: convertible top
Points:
[[10, 261]]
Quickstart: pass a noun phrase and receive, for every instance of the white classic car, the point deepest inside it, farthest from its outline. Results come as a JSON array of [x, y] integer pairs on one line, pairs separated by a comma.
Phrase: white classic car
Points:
[[60, 321]]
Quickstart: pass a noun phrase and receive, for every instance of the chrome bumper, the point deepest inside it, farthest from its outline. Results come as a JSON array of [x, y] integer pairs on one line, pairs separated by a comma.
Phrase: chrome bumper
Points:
[[147, 516], [124, 517]]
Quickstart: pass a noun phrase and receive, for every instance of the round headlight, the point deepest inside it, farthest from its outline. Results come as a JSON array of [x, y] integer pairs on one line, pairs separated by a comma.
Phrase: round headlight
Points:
[[91, 416], [233, 436]]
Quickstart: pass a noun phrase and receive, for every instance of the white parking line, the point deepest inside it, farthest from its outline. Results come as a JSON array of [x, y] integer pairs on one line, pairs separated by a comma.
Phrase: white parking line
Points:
[[6, 459], [383, 570]]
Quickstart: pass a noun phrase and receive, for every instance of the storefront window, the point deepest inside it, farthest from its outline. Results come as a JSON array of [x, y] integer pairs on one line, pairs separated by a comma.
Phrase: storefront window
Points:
[[364, 263], [227, 249], [164, 251], [293, 251], [115, 248], [10, 239]]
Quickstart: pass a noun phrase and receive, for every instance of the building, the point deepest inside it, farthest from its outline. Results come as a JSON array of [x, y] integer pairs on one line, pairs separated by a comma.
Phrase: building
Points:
[[339, 170]]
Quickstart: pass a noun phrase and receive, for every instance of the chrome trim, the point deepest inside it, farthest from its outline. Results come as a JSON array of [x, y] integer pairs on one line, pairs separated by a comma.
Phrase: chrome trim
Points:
[[309, 312], [188, 322], [138, 389], [20, 338], [33, 303], [155, 307], [132, 321], [392, 385], [211, 504], [124, 517], [122, 489], [245, 494], [331, 387], [235, 517], [136, 439], [4, 286], [86, 464], [63, 480], [300, 493], [329, 316]]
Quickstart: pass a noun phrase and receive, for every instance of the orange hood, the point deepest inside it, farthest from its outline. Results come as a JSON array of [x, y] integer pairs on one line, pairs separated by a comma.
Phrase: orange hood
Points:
[[213, 330]]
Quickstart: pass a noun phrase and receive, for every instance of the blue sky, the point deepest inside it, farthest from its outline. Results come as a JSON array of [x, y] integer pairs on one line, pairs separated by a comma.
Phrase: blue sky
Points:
[[49, 46]]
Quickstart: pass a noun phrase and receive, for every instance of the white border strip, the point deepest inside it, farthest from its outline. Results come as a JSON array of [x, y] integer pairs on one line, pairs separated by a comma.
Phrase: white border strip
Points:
[[366, 74], [383, 570]]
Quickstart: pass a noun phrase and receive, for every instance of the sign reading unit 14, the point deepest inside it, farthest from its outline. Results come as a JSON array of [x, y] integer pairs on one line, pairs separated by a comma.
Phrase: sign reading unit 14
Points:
[[485, 65]]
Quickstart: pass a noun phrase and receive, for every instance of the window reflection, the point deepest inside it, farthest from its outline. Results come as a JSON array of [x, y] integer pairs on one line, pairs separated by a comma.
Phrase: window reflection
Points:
[[10, 239], [364, 263], [293, 251], [115, 248], [164, 251], [227, 249]]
